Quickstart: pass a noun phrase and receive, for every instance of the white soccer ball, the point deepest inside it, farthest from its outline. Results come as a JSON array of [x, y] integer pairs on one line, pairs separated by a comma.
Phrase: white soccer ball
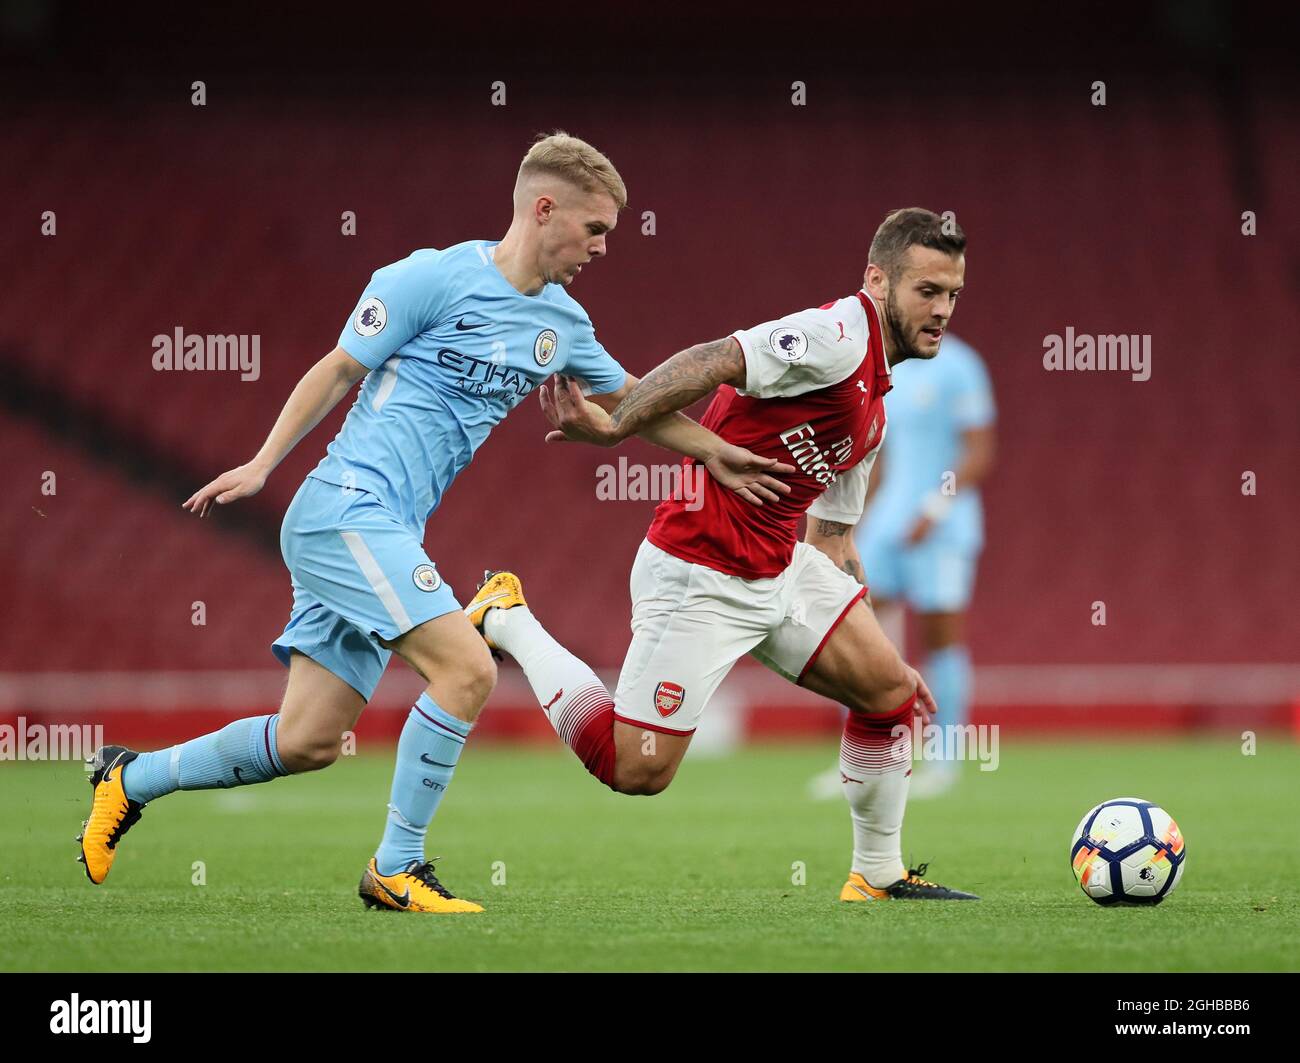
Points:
[[1128, 851]]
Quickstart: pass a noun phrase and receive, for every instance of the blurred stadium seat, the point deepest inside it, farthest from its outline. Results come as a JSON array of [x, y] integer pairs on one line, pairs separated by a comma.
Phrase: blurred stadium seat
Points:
[[1106, 489]]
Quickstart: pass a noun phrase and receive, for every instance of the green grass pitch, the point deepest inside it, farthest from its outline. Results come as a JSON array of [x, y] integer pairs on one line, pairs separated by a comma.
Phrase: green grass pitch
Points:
[[698, 878]]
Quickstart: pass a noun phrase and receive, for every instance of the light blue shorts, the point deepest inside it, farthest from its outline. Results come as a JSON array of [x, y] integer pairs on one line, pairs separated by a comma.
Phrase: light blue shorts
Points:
[[359, 574], [931, 577]]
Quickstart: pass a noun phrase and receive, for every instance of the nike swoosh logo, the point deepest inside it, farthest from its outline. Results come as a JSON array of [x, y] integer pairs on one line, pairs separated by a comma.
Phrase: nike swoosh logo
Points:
[[402, 901], [116, 765], [436, 763], [462, 327], [476, 606]]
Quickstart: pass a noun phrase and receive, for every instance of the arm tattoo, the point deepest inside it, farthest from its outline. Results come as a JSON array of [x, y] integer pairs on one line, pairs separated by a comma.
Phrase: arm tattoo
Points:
[[686, 376], [854, 568], [832, 528]]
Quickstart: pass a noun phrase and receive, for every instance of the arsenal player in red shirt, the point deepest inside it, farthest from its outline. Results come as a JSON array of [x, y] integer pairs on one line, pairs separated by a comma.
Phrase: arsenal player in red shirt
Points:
[[716, 581]]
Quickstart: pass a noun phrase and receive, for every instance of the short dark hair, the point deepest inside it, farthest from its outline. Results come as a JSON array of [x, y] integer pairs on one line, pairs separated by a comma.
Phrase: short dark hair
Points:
[[913, 225]]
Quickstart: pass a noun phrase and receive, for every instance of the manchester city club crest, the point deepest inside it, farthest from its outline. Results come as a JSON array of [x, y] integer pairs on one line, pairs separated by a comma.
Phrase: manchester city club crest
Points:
[[426, 578], [544, 348]]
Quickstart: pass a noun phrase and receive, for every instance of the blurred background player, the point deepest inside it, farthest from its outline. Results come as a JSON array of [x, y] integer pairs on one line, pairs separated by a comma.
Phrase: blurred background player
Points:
[[920, 539]]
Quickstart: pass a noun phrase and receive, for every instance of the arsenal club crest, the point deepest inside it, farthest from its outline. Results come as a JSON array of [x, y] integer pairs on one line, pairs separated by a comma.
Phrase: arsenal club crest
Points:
[[668, 698]]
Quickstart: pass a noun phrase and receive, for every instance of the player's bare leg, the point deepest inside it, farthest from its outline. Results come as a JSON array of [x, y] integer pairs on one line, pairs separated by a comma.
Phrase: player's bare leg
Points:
[[628, 758], [305, 735], [828, 785], [892, 617], [449, 655], [317, 710], [459, 672], [862, 670], [645, 761]]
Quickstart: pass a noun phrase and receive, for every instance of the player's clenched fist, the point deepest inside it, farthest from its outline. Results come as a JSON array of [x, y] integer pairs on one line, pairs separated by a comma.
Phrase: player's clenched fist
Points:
[[237, 483]]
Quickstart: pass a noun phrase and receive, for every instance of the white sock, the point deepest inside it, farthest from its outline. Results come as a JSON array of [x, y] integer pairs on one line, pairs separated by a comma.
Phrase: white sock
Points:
[[875, 769], [565, 687]]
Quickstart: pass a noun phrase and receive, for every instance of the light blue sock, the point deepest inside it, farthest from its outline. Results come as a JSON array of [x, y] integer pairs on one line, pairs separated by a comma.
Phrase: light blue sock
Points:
[[240, 753], [948, 672], [426, 757]]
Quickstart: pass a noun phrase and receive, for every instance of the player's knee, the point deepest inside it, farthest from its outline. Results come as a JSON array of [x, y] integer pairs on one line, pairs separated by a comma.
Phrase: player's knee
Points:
[[643, 787], [644, 781], [307, 752], [656, 784], [477, 679], [886, 689], [485, 677]]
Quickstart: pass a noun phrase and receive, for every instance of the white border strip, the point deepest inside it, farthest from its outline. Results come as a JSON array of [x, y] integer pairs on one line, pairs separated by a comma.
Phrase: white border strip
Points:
[[378, 581]]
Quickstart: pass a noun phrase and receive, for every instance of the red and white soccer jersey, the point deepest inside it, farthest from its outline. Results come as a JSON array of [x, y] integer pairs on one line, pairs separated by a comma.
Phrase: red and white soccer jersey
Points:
[[815, 382], [728, 578]]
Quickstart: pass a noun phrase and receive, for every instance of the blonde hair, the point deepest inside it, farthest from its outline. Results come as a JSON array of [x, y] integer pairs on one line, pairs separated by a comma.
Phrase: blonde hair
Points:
[[575, 161]]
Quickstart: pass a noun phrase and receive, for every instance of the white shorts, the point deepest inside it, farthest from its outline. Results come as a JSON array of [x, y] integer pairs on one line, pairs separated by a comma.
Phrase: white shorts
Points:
[[691, 623]]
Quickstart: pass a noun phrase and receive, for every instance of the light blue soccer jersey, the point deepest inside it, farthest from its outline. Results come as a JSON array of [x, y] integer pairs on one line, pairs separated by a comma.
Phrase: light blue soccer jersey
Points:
[[932, 403], [455, 347]]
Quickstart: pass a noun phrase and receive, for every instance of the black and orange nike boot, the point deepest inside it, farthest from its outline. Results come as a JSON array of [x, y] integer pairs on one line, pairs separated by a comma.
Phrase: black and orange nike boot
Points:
[[416, 889], [910, 888], [112, 813]]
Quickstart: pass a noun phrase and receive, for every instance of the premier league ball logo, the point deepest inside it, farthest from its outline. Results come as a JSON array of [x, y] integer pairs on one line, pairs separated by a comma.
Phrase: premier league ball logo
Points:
[[371, 318], [789, 344]]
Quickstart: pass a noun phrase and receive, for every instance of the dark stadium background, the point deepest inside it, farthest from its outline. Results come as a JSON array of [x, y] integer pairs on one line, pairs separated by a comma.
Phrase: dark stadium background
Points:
[[226, 219]]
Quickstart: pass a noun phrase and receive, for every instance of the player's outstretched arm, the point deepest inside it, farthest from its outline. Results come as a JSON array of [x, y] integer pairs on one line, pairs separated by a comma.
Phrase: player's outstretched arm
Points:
[[682, 380], [679, 382], [316, 394], [576, 417], [735, 468]]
